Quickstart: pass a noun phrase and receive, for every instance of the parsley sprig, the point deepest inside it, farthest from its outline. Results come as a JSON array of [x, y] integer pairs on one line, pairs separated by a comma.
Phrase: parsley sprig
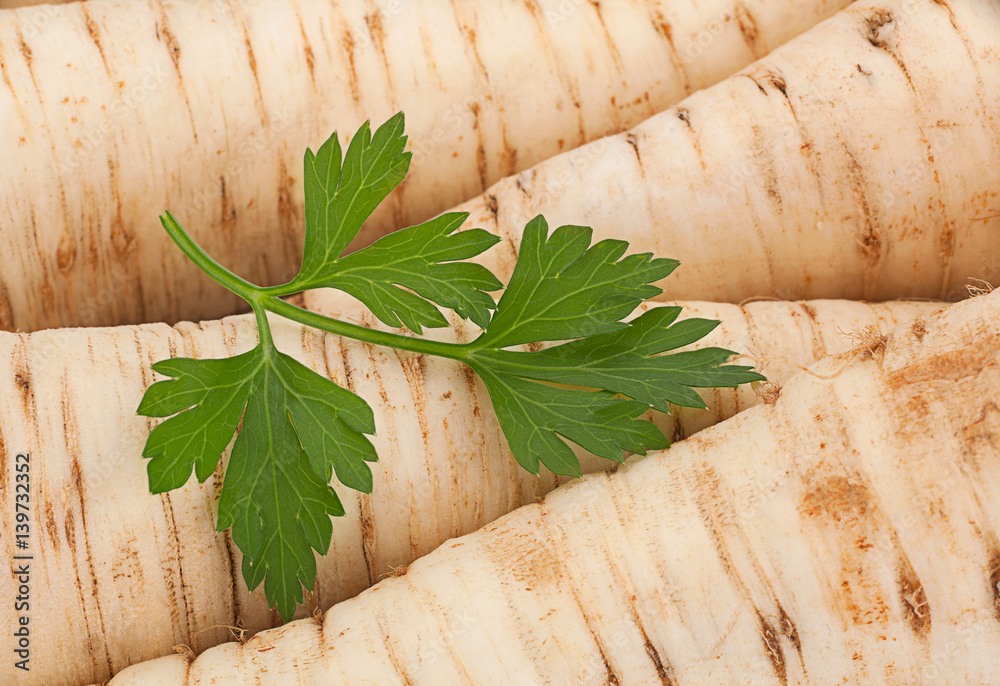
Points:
[[300, 428]]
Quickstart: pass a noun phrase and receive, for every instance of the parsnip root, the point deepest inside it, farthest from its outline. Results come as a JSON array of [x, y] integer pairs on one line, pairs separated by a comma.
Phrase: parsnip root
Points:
[[120, 575], [116, 110], [846, 533]]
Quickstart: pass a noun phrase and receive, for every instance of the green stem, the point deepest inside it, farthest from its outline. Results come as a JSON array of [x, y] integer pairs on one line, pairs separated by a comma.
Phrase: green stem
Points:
[[454, 351], [264, 299], [219, 274], [263, 329]]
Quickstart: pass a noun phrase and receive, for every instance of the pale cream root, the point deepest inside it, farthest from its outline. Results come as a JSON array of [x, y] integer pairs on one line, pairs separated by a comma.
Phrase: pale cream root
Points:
[[116, 110], [845, 534], [860, 160], [120, 576], [11, 4]]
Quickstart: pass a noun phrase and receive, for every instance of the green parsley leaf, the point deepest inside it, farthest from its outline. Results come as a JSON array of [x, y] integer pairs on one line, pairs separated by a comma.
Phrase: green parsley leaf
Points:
[[562, 287], [630, 361], [216, 392], [299, 427], [401, 276], [422, 259], [532, 414], [341, 193]]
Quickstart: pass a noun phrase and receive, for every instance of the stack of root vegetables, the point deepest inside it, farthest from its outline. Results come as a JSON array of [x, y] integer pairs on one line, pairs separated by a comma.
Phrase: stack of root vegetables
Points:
[[827, 174]]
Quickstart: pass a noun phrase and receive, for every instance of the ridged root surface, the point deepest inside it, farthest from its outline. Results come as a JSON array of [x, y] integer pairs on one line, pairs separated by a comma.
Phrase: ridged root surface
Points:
[[116, 110], [845, 534], [860, 160], [121, 576]]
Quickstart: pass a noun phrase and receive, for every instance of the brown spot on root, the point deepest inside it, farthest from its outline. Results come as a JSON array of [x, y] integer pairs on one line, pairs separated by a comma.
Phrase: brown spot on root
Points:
[[469, 34], [228, 215], [918, 329], [95, 38], [307, 50], [165, 35], [51, 527], [789, 630], [4, 472], [662, 670], [663, 27], [756, 83], [993, 579], [367, 535], [876, 23], [951, 365], [748, 28], [121, 239], [6, 309], [914, 599], [508, 154], [720, 518], [838, 498], [27, 55], [677, 432], [470, 381], [481, 148], [684, 115], [870, 243], [493, 207], [10, 86], [778, 81], [69, 529], [347, 42], [633, 141], [772, 647], [289, 213], [25, 50], [66, 252], [428, 45], [377, 31], [764, 157], [947, 242], [878, 20], [345, 363], [235, 571]]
